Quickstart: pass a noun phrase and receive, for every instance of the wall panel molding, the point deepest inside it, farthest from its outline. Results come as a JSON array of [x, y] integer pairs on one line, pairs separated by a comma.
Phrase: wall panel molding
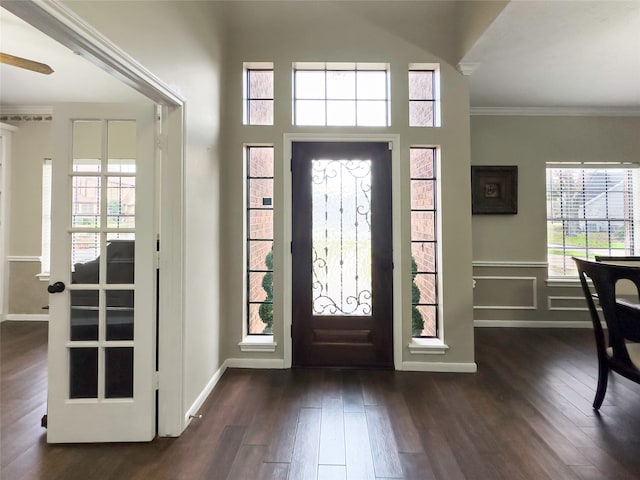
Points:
[[566, 298], [534, 293]]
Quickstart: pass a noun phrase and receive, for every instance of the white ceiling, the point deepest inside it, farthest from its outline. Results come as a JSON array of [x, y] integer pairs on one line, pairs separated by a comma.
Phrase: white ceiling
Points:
[[552, 53], [583, 54], [74, 79]]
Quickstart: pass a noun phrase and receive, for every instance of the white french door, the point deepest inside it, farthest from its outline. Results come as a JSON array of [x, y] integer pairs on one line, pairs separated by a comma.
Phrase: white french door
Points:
[[102, 341]]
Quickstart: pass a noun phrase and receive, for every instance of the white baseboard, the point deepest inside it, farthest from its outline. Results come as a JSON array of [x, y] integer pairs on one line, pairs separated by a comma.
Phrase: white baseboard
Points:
[[27, 317], [229, 363], [195, 406], [254, 363], [531, 324], [440, 367]]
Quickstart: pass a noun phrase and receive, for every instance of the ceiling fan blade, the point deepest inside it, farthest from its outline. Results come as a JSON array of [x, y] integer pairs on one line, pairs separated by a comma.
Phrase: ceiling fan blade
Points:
[[25, 63]]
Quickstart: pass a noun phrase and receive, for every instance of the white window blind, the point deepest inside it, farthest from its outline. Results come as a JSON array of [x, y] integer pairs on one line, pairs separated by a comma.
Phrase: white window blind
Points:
[[590, 212]]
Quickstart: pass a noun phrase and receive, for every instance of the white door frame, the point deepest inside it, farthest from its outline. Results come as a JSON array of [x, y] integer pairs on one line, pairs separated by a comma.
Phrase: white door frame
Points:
[[394, 139], [61, 24]]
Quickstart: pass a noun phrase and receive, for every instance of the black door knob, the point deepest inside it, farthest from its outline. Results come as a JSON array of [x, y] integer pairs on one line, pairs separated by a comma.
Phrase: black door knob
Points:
[[56, 287]]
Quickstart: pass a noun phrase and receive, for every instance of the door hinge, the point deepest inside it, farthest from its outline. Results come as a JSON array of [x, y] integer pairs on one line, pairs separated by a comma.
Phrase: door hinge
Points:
[[156, 380], [291, 164], [291, 332], [390, 145], [291, 247], [161, 141], [156, 260]]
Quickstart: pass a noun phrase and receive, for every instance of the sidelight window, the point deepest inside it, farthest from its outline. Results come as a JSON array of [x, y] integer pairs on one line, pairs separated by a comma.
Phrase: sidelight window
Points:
[[424, 265], [259, 240]]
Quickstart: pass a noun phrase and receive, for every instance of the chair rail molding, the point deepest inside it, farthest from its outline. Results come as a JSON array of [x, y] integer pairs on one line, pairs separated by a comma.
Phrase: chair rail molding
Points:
[[532, 324], [555, 111], [508, 264], [23, 258]]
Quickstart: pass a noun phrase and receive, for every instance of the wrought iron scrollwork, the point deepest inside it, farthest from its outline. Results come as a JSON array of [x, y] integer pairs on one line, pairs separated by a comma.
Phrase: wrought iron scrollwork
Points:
[[341, 237]]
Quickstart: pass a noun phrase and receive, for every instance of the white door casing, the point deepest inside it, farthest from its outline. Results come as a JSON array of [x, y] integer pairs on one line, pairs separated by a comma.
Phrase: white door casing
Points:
[[112, 400]]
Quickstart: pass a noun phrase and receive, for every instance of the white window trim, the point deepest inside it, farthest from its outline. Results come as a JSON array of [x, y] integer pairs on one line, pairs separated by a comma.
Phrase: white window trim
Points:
[[258, 343], [427, 346], [562, 282], [255, 342]]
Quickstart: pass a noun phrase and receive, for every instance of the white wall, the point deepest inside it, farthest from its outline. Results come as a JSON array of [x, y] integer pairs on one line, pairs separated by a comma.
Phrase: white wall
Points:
[[6, 134], [191, 47], [529, 143], [286, 32], [31, 144]]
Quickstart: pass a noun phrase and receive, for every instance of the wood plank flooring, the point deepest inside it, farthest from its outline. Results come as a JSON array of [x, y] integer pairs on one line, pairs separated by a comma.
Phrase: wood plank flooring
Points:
[[526, 414]]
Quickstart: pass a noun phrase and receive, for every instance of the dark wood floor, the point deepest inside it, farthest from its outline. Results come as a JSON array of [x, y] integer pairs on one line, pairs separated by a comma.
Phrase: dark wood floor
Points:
[[526, 414]]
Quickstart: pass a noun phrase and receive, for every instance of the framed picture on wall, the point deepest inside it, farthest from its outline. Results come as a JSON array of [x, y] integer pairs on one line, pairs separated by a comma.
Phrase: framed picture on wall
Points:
[[494, 189]]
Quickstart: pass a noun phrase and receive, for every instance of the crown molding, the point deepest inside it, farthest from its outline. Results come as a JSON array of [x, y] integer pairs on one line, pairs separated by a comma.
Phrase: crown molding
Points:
[[556, 111], [467, 68], [44, 110]]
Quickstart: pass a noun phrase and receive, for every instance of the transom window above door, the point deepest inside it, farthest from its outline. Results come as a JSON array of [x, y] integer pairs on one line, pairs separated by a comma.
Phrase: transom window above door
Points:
[[258, 93], [341, 94]]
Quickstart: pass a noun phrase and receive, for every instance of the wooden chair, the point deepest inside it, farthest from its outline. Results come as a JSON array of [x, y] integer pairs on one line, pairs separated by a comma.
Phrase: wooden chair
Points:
[[621, 354]]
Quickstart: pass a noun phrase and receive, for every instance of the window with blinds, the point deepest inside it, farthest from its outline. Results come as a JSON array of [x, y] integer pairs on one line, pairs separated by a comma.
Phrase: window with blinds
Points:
[[590, 212]]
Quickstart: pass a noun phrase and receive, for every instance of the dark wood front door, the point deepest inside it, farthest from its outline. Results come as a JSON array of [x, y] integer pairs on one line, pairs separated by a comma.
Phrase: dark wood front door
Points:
[[342, 254]]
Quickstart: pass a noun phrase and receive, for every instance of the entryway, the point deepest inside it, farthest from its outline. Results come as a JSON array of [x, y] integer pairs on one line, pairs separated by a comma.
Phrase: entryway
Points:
[[342, 255]]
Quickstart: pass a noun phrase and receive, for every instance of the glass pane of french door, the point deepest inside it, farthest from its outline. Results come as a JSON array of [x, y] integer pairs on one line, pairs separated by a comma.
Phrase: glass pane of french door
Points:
[[103, 209]]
